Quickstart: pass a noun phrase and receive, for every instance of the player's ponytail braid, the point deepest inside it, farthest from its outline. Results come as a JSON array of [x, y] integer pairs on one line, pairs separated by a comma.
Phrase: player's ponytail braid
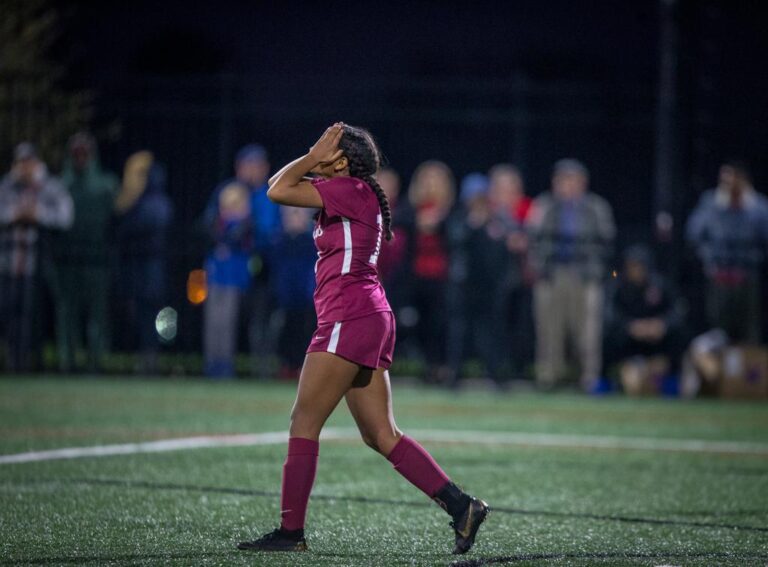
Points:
[[364, 160]]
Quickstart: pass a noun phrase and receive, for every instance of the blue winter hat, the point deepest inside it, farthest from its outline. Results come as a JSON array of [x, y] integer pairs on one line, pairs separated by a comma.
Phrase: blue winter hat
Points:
[[473, 185], [253, 152]]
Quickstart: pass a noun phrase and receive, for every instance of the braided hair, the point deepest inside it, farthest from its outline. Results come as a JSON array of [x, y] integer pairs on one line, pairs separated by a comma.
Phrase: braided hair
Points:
[[364, 159]]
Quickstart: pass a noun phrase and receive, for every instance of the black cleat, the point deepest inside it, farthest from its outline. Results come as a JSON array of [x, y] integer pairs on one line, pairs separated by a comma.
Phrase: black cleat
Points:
[[278, 540], [467, 524]]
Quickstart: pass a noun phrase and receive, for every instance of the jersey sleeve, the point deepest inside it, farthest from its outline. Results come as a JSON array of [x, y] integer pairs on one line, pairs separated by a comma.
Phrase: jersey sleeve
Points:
[[342, 196]]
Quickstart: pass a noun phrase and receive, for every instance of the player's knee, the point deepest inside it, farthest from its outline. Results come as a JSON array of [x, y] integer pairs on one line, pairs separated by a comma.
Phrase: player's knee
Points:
[[304, 424], [382, 440], [370, 440]]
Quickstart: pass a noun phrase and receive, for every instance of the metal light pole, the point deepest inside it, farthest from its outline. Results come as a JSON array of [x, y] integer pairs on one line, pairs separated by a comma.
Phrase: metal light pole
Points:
[[667, 151]]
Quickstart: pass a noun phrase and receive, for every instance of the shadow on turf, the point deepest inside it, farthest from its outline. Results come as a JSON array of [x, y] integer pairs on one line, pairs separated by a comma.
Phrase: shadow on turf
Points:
[[605, 556], [367, 500]]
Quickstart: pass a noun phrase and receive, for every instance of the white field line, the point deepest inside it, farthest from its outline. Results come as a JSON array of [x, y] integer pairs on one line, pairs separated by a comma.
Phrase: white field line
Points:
[[499, 438]]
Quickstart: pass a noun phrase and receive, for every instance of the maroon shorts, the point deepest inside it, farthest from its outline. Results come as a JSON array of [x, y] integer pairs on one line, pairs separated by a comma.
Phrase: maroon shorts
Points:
[[368, 341]]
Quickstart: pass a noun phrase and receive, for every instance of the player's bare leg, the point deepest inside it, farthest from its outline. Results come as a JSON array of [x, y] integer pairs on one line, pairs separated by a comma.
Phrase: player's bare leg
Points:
[[370, 402], [323, 382]]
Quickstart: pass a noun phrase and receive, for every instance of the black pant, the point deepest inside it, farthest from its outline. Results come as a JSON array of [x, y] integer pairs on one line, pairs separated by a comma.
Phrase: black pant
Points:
[[428, 298], [19, 321], [295, 334], [619, 346]]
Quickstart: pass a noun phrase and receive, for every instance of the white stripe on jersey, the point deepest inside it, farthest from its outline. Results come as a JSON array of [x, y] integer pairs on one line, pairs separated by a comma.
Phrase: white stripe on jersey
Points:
[[374, 259], [334, 342], [345, 267]]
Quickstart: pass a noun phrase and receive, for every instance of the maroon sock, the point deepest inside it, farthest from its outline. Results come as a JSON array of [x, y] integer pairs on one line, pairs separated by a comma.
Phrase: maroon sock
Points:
[[298, 476], [413, 462]]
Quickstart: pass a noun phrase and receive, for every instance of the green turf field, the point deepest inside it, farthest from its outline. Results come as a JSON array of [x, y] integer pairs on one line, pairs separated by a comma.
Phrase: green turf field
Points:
[[573, 480]]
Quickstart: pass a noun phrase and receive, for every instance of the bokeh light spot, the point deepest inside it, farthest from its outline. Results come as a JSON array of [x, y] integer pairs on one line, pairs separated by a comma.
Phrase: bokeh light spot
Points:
[[166, 323], [197, 287]]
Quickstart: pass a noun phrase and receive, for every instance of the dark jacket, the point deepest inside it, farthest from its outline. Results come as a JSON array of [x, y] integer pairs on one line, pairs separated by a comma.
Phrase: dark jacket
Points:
[[93, 192], [142, 231], [627, 302]]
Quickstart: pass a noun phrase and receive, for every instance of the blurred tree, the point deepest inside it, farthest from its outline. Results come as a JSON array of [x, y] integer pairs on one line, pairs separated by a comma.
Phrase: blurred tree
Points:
[[33, 105]]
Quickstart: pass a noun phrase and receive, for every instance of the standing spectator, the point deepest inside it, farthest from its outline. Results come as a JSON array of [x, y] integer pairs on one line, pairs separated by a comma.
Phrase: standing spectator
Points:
[[293, 282], [474, 265], [32, 204], [84, 255], [242, 223], [729, 229], [144, 214], [643, 316], [392, 269], [393, 265], [431, 194], [510, 208], [571, 233]]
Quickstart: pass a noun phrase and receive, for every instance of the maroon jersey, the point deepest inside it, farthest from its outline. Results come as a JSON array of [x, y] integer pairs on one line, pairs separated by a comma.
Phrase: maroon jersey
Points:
[[348, 240]]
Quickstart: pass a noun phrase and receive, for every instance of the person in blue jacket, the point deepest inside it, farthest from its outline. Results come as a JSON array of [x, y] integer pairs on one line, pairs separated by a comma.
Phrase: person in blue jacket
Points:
[[241, 222]]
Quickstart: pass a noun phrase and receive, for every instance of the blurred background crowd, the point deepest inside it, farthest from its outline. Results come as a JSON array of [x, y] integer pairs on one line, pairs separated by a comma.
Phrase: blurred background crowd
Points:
[[478, 270], [599, 229]]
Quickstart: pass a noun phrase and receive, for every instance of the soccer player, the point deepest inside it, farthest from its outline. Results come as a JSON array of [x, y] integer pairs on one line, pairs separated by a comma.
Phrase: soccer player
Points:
[[352, 347]]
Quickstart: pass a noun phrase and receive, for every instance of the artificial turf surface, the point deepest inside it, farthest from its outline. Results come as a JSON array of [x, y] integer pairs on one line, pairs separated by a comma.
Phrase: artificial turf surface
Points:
[[555, 505]]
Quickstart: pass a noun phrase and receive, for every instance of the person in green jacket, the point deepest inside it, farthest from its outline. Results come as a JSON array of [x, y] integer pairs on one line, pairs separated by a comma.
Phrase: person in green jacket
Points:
[[83, 258]]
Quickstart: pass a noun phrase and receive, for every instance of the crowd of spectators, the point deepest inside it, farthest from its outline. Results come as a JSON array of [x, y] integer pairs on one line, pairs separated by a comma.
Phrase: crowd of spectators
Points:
[[478, 270]]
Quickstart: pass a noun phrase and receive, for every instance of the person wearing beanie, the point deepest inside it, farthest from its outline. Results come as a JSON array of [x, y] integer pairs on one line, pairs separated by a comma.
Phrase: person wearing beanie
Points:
[[643, 318]]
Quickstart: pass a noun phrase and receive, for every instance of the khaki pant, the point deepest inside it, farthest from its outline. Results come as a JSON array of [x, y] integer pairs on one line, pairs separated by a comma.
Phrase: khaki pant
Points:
[[568, 310]]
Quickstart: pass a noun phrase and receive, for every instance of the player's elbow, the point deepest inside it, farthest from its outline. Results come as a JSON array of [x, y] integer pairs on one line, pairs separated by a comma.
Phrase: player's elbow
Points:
[[276, 193]]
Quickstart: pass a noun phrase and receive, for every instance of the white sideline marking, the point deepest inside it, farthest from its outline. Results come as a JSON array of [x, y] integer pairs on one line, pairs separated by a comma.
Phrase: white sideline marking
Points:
[[434, 435]]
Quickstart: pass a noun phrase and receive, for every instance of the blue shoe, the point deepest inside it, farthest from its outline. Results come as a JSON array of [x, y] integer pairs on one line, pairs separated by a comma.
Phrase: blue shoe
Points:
[[600, 387]]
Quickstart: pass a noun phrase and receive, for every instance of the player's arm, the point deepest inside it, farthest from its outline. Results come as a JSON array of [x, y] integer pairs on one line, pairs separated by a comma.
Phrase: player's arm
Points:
[[289, 186]]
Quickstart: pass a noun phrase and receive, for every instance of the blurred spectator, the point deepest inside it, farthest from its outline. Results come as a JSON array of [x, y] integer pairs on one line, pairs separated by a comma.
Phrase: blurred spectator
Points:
[[571, 233], [474, 266], [32, 204], [83, 256], [729, 229], [391, 267], [510, 208], [431, 194], [242, 223], [644, 317], [144, 214], [293, 282]]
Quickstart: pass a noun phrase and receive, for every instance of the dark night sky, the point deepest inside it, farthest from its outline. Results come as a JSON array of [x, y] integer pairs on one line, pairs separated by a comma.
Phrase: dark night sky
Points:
[[596, 38], [607, 44]]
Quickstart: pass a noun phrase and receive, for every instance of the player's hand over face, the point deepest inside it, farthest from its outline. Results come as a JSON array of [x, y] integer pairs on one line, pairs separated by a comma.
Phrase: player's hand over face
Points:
[[326, 149]]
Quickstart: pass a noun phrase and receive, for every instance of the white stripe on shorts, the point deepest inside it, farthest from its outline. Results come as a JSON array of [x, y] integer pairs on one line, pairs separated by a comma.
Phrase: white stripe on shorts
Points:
[[334, 342], [347, 246]]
